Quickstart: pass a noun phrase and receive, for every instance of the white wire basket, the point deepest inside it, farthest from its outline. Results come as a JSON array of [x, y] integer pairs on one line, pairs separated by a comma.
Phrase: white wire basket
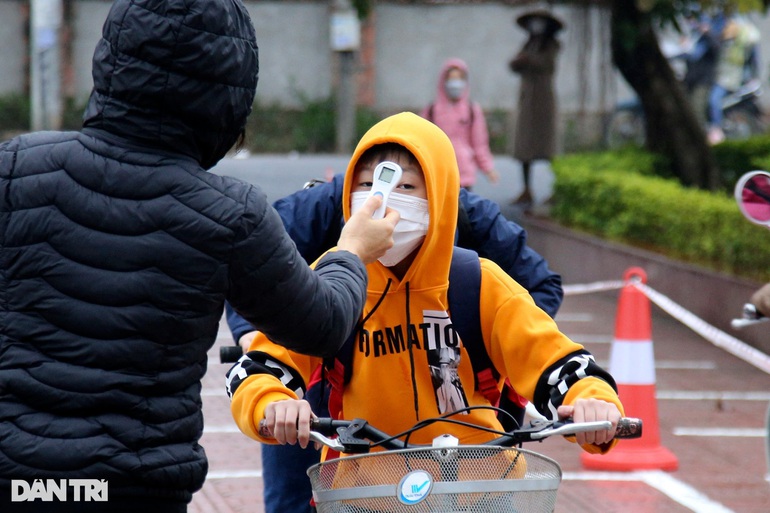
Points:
[[467, 479]]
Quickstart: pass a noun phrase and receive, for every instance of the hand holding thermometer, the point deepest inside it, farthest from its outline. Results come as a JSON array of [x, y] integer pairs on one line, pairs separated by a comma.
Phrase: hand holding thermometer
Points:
[[386, 177]]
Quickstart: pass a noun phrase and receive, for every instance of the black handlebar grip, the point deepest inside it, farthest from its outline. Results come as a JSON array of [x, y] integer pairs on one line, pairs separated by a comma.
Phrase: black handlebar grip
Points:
[[230, 354], [628, 428]]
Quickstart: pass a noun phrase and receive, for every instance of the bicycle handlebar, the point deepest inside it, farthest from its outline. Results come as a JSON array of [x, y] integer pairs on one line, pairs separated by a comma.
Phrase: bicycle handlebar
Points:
[[230, 354], [358, 436], [750, 315]]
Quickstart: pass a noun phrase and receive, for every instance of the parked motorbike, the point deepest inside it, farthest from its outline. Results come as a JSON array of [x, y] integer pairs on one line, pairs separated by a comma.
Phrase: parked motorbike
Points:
[[742, 113], [742, 118], [752, 193]]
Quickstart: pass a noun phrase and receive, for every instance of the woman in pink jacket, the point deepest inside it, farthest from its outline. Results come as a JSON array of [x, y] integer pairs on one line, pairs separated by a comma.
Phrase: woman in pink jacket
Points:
[[463, 121]]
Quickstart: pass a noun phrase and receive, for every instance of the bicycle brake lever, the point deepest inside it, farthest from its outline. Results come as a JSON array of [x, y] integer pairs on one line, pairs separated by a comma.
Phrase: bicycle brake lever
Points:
[[749, 316], [750, 312], [571, 429], [315, 436], [331, 443]]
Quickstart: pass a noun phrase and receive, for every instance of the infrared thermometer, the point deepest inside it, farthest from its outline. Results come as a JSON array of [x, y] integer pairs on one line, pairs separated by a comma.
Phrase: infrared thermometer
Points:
[[386, 177]]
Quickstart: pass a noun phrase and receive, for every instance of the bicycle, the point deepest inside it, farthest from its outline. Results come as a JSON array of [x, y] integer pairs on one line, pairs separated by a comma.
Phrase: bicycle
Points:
[[447, 477]]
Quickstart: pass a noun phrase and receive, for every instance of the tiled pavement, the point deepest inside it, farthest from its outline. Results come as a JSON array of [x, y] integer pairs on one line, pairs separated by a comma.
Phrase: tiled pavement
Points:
[[701, 392]]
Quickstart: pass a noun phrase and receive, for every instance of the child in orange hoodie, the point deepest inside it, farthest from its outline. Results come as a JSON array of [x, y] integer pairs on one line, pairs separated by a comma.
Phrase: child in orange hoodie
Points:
[[408, 363]]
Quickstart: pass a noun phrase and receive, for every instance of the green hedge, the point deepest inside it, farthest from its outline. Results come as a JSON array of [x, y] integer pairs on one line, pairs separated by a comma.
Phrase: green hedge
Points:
[[311, 128], [624, 203], [736, 157]]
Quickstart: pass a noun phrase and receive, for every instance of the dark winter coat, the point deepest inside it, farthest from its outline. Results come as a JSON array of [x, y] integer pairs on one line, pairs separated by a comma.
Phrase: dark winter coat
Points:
[[536, 113], [118, 251]]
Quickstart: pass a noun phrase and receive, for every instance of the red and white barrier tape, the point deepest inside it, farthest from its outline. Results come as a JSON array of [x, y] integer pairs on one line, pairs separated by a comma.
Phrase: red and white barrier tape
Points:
[[598, 286], [711, 333]]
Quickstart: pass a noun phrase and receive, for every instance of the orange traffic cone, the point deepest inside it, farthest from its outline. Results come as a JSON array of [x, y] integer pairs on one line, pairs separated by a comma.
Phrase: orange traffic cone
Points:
[[632, 364]]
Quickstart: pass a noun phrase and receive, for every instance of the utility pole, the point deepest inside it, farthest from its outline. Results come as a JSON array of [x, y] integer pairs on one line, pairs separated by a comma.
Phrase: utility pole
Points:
[[345, 39], [45, 63]]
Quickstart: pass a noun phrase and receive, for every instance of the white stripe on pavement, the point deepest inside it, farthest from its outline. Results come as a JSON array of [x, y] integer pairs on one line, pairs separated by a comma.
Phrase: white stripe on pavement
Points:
[[674, 364], [676, 490], [682, 493], [721, 432], [706, 395], [685, 364], [673, 488], [588, 338], [661, 481], [233, 474], [574, 317]]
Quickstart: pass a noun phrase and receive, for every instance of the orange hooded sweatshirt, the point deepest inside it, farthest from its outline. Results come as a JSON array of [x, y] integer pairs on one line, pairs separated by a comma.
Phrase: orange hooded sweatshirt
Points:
[[408, 363]]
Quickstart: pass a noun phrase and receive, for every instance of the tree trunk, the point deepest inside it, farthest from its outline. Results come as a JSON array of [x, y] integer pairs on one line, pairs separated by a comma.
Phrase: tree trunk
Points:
[[672, 128]]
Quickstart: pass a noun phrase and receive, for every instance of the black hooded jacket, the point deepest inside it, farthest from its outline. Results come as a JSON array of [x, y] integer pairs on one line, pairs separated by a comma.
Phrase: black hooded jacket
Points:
[[118, 251]]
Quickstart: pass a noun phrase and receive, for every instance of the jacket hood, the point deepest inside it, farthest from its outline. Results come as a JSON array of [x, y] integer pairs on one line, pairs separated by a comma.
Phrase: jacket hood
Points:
[[454, 62], [433, 150], [177, 75]]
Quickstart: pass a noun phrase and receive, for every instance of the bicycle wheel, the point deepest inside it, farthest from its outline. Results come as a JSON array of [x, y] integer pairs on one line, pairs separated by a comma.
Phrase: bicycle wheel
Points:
[[741, 123], [468, 479]]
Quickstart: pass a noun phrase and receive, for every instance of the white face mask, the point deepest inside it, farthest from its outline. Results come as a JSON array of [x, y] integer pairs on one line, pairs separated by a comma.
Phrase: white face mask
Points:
[[454, 88], [411, 228]]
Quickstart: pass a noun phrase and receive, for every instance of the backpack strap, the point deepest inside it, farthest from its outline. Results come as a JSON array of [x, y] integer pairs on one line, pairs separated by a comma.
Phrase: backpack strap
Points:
[[338, 370], [464, 303], [471, 113], [465, 237]]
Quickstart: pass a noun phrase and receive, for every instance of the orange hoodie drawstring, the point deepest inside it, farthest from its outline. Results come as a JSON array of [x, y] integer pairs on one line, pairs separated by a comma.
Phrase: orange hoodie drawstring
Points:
[[409, 344]]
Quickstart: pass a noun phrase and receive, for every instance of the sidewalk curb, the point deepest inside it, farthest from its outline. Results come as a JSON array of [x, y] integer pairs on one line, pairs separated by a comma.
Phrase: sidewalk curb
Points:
[[714, 297]]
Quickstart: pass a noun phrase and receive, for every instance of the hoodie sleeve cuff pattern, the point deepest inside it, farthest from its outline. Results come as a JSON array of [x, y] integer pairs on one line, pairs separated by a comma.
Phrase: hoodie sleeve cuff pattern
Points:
[[573, 377], [255, 381]]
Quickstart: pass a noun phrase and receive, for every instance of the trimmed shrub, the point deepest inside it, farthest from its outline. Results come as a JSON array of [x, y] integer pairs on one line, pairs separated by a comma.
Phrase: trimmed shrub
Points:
[[627, 205], [311, 128], [14, 113], [736, 157]]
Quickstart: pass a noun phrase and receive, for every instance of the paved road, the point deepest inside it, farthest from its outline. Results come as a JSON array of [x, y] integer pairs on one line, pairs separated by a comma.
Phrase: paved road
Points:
[[280, 175], [711, 406]]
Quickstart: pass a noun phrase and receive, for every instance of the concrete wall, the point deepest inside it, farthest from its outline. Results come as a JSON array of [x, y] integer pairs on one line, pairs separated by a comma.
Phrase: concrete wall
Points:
[[88, 17], [11, 48], [289, 35], [410, 43], [294, 56]]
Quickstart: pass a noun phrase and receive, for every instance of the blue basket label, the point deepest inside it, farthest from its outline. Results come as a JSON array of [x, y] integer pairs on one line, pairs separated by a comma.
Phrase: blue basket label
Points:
[[414, 487]]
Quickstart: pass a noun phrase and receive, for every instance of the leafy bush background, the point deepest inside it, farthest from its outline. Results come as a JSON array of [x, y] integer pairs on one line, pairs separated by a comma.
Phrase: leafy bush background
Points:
[[619, 196]]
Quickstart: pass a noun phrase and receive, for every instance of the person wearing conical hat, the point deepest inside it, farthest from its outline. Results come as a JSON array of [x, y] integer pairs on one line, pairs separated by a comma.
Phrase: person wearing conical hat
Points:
[[535, 137]]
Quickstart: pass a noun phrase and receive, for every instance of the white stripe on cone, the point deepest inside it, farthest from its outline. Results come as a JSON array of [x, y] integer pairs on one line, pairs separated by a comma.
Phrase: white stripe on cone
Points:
[[632, 362]]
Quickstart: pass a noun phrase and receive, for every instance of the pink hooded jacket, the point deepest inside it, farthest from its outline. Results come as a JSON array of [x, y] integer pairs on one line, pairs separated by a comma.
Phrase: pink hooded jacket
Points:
[[467, 132]]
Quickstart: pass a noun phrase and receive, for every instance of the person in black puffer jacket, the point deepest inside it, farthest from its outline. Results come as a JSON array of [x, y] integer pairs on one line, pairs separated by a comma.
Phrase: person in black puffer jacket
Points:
[[118, 251]]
